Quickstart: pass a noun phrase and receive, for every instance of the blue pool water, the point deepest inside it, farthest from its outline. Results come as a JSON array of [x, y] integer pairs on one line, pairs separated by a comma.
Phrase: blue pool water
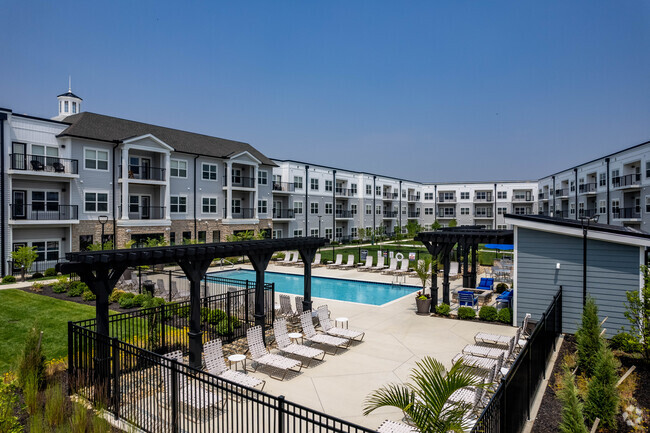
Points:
[[329, 288]]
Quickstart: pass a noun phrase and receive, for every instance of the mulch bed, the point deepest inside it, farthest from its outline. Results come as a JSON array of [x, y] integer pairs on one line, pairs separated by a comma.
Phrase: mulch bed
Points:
[[549, 414], [47, 291]]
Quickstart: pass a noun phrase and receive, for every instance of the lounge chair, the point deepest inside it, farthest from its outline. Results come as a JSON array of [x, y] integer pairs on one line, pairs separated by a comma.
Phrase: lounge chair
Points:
[[261, 355], [349, 264], [216, 364], [367, 266], [481, 362], [285, 345], [311, 335], [337, 263], [294, 259], [317, 261], [504, 298], [396, 427], [160, 287], [285, 308], [467, 298], [504, 340], [326, 325], [298, 300], [474, 395], [391, 268], [453, 270], [287, 258], [492, 352], [380, 265], [404, 268]]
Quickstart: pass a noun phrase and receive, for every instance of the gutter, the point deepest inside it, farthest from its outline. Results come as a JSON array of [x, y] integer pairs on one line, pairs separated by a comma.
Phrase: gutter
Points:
[[117, 143], [195, 223], [3, 117]]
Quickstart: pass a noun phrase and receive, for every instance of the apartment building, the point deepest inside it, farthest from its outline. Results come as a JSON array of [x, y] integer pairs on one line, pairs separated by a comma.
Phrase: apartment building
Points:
[[615, 188]]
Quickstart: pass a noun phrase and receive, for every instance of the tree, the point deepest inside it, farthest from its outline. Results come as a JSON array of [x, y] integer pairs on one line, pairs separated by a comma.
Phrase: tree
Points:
[[602, 395], [573, 420], [361, 234], [453, 223], [24, 257], [436, 225], [638, 314], [588, 338], [413, 228], [424, 401]]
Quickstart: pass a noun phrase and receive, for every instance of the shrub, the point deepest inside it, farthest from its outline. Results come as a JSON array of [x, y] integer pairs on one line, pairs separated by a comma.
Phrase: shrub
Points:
[[50, 272], [602, 395], [572, 418], [504, 316], [588, 338], [76, 288], [126, 300], [8, 279], [152, 302], [115, 295], [87, 295], [32, 360], [222, 328], [501, 287], [183, 311], [36, 275], [8, 401], [443, 309], [234, 321], [138, 300], [625, 342], [37, 287], [487, 313], [61, 286], [466, 313], [54, 405], [637, 312], [212, 316]]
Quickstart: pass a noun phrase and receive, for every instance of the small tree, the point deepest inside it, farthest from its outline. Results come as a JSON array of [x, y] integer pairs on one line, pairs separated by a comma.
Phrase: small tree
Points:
[[638, 314], [361, 234], [97, 246], [24, 257], [588, 338], [413, 228], [436, 225], [602, 395], [453, 223], [573, 420]]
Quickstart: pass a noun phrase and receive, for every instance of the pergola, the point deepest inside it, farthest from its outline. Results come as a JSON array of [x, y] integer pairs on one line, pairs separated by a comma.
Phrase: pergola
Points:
[[441, 242], [100, 270]]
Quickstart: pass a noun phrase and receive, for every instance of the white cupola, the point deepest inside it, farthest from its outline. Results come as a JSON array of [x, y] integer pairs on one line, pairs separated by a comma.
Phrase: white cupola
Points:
[[69, 103]]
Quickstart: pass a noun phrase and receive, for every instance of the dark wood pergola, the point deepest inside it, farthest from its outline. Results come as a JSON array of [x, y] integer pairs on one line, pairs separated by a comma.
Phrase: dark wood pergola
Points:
[[441, 242], [100, 270]]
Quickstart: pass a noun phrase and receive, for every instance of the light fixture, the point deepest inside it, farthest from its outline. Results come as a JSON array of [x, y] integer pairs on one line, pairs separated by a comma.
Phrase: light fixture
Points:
[[557, 265]]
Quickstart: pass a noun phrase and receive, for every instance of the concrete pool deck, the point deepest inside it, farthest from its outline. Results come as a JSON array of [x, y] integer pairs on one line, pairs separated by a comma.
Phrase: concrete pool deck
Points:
[[396, 338]]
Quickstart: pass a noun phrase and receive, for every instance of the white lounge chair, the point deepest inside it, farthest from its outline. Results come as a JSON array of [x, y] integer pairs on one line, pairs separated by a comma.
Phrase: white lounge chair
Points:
[[326, 325], [215, 364], [504, 340], [349, 264], [481, 362], [337, 263], [392, 267], [404, 268], [285, 345], [474, 395], [316, 263], [285, 308], [380, 265], [492, 352], [367, 266], [261, 355], [396, 427], [311, 335], [298, 300], [287, 258]]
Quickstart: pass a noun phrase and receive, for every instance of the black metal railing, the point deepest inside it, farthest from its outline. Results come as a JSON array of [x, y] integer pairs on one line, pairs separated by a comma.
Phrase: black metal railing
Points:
[[542, 196], [478, 214], [283, 213], [443, 199], [144, 212], [509, 408], [389, 195], [414, 197], [343, 213], [626, 212], [41, 163], [626, 180], [586, 212], [345, 192], [390, 214], [587, 187], [483, 198], [412, 214], [560, 214], [564, 192], [446, 215], [241, 181], [144, 172], [44, 211], [284, 186], [38, 266], [523, 198], [241, 212]]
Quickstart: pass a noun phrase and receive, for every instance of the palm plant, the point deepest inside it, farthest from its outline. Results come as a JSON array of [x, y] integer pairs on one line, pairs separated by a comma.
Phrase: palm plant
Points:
[[423, 272], [425, 401]]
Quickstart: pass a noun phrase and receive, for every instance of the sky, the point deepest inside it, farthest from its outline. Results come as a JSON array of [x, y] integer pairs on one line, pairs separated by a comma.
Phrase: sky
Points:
[[430, 91]]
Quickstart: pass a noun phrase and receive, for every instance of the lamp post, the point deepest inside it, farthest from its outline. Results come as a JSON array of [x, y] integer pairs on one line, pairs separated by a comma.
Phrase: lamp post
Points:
[[103, 219], [319, 220], [585, 220]]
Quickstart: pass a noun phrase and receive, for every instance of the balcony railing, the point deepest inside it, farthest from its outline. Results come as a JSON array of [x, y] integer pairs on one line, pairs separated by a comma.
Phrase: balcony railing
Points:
[[483, 215], [560, 214], [626, 212], [586, 188], [284, 186], [144, 172], [345, 192], [44, 211], [447, 215], [414, 214], [390, 195], [486, 198], [560, 193], [586, 212], [390, 214], [283, 213], [44, 164], [522, 199], [442, 199], [414, 197], [145, 212], [241, 181], [626, 180], [242, 212], [542, 196], [342, 213]]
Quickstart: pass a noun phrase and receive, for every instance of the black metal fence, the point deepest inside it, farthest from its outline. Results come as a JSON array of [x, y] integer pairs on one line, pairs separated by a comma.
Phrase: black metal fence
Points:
[[509, 408]]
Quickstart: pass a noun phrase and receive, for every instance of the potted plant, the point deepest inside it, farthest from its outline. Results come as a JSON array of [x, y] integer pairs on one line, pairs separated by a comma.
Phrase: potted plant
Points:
[[423, 303], [423, 300]]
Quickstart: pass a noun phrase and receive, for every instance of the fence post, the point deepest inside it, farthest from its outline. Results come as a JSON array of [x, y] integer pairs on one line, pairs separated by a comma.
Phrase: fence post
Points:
[[170, 285], [174, 394], [70, 357], [163, 334], [116, 376], [246, 301], [272, 302], [281, 414], [140, 279], [229, 313]]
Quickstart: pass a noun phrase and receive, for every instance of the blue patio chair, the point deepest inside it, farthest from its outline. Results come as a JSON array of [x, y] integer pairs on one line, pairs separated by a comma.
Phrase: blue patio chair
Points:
[[467, 299], [485, 284], [504, 298]]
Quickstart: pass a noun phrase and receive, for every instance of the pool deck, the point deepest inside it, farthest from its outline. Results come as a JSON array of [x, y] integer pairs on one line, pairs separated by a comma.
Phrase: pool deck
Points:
[[395, 339]]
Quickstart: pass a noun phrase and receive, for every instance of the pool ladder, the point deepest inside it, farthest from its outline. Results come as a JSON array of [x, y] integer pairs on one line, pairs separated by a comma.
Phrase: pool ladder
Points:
[[398, 280]]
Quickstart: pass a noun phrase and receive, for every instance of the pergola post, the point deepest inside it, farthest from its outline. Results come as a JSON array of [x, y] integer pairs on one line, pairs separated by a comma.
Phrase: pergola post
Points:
[[307, 256], [434, 285], [474, 264], [445, 276], [466, 275], [260, 262]]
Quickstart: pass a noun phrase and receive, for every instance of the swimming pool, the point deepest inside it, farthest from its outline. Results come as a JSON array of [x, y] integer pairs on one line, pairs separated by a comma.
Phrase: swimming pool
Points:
[[362, 292]]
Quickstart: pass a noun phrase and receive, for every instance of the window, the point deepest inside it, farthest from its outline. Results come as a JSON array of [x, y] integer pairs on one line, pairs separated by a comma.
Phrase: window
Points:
[[297, 182], [368, 209], [208, 171], [187, 236], [464, 211], [481, 195], [339, 232], [313, 184], [602, 179], [572, 186], [236, 206], [328, 208], [85, 241], [96, 202], [297, 233], [262, 206], [65, 106], [353, 232], [368, 189], [572, 208], [313, 208], [616, 206], [95, 159], [328, 233], [602, 209], [277, 234], [209, 204], [502, 195], [39, 150], [216, 236], [428, 196], [502, 226], [428, 211], [353, 209], [178, 204], [378, 190], [46, 250], [581, 208], [450, 211], [353, 188], [313, 232], [74, 107], [404, 194], [378, 210], [464, 195], [203, 237], [615, 174], [447, 196], [178, 168], [502, 210], [262, 177], [172, 238], [328, 185]]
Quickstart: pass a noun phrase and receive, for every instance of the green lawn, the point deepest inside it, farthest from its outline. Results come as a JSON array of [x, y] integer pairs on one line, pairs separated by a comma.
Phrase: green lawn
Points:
[[19, 309]]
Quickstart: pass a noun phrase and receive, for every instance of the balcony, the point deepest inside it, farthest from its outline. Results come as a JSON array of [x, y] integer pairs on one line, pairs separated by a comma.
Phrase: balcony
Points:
[[542, 196], [522, 199], [145, 172], [588, 188], [483, 215], [283, 214], [137, 212], [561, 214], [447, 215], [626, 213], [390, 195], [240, 181], [627, 181], [345, 192], [43, 164], [342, 213], [483, 198], [562, 193], [586, 213], [390, 214], [443, 199], [414, 197], [413, 214], [44, 212], [284, 186], [242, 212]]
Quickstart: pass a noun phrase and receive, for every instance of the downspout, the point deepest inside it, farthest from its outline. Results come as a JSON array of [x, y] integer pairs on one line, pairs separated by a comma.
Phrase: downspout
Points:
[[435, 204], [117, 143], [307, 208], [374, 210], [494, 209], [554, 197], [575, 185], [608, 202], [227, 204], [400, 207], [333, 205], [3, 226]]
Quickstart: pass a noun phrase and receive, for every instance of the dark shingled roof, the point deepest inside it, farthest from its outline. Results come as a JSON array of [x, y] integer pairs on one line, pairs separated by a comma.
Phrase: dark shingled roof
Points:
[[69, 94], [577, 224], [105, 128]]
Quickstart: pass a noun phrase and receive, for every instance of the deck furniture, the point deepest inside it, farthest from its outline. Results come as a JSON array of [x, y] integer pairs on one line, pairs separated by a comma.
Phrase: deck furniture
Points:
[[367, 266], [481, 362], [330, 329], [283, 340], [285, 308], [467, 298], [380, 265], [337, 263], [261, 356], [326, 340], [504, 340], [349, 264], [404, 267], [504, 298], [215, 364], [392, 267], [287, 258], [493, 352], [396, 427]]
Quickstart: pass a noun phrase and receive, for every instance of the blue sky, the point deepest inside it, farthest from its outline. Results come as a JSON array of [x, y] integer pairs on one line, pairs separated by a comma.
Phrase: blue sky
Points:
[[430, 91]]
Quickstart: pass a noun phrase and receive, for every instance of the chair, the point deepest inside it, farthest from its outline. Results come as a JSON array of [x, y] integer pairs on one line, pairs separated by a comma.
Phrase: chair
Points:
[[492, 352], [58, 167], [380, 265], [285, 345], [337, 263], [216, 364], [403, 268], [349, 264], [453, 270], [311, 335], [467, 299], [396, 427], [287, 258], [327, 326], [480, 362], [294, 259], [317, 259], [367, 266], [160, 287], [285, 307], [504, 340], [261, 355], [392, 267], [37, 165], [504, 298], [485, 284], [298, 300]]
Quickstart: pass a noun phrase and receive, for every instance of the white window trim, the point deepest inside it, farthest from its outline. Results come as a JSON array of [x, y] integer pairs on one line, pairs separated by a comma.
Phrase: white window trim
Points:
[[302, 208], [259, 177], [170, 204], [216, 174], [96, 191], [266, 205], [186, 168], [108, 159], [216, 198]]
